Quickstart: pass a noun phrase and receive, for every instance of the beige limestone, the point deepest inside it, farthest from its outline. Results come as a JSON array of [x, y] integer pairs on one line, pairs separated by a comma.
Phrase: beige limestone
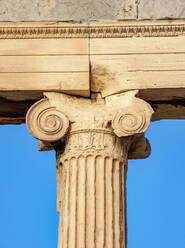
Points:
[[91, 167]]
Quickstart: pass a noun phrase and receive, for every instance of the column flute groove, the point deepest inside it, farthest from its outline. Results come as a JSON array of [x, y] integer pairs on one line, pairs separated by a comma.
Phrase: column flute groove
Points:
[[93, 220]]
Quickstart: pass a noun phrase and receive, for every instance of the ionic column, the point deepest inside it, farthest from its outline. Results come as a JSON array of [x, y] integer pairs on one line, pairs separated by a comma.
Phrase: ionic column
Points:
[[92, 139]]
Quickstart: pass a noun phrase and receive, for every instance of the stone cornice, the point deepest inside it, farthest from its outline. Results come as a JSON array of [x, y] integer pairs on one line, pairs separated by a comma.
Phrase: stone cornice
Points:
[[120, 29]]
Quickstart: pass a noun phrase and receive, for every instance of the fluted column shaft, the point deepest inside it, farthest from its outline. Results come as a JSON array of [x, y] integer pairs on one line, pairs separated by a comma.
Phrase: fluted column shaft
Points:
[[92, 213]]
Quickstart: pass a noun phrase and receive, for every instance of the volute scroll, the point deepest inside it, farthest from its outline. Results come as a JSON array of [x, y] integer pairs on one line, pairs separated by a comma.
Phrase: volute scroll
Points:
[[45, 122], [130, 115], [133, 119]]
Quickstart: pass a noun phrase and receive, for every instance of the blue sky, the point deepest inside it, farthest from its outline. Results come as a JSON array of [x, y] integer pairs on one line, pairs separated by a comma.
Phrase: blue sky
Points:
[[155, 191]]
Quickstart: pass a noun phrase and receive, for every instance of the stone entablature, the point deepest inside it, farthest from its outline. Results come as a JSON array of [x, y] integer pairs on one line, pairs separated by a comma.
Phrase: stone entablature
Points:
[[80, 59]]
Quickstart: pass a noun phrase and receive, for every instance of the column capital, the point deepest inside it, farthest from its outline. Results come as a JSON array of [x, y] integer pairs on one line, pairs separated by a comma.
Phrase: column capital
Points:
[[57, 114]]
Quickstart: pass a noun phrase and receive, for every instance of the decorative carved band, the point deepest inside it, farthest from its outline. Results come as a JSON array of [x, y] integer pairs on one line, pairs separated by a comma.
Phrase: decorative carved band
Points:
[[137, 30], [107, 31], [95, 142], [43, 32]]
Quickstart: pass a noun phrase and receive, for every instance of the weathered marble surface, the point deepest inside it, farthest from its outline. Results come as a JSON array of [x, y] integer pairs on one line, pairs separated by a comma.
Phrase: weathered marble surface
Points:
[[159, 9], [77, 10], [85, 10]]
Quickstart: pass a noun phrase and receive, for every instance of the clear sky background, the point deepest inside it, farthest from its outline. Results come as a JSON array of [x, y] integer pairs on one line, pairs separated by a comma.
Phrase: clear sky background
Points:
[[155, 191]]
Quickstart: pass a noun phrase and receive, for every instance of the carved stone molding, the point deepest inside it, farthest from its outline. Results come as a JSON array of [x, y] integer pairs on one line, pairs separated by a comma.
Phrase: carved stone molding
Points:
[[137, 31], [93, 30], [140, 147], [92, 138]]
